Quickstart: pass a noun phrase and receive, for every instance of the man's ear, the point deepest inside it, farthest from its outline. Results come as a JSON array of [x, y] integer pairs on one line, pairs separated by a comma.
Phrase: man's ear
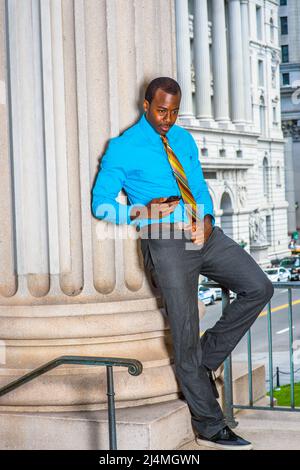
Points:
[[146, 106]]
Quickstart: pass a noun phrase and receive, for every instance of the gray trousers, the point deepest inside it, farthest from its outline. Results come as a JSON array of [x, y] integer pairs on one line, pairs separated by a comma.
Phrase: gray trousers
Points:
[[175, 267]]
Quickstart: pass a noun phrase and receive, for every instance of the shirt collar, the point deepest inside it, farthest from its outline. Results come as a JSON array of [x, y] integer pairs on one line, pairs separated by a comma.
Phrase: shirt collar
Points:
[[150, 132]]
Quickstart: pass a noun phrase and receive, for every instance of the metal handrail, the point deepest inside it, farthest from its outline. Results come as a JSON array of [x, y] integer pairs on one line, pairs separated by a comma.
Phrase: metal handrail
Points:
[[228, 391], [134, 366]]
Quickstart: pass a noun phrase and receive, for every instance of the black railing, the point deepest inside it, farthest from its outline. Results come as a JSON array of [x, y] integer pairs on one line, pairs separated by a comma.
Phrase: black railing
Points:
[[134, 368], [229, 406]]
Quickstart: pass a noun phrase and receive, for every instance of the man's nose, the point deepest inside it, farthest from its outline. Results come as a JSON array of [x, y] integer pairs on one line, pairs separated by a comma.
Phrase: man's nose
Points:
[[168, 118]]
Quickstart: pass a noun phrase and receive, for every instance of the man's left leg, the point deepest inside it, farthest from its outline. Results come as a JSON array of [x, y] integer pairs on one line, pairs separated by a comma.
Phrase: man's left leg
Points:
[[227, 263], [177, 272]]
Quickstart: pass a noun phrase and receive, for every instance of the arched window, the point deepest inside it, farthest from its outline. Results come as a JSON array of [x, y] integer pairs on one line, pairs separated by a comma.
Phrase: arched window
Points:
[[272, 30], [262, 118], [278, 175], [266, 177], [226, 218]]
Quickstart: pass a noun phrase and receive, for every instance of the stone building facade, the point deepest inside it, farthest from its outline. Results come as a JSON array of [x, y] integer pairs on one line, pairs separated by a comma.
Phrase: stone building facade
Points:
[[231, 105], [289, 40]]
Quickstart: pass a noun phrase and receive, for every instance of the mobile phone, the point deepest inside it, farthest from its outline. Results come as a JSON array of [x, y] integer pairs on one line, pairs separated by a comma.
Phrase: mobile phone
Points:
[[172, 198]]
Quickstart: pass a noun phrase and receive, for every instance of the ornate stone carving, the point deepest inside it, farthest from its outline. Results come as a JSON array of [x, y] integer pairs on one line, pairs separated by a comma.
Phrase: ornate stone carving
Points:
[[242, 194], [257, 228], [291, 129], [226, 185], [275, 57]]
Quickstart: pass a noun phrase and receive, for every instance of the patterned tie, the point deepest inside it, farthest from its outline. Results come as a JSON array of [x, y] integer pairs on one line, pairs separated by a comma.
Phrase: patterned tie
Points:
[[178, 171]]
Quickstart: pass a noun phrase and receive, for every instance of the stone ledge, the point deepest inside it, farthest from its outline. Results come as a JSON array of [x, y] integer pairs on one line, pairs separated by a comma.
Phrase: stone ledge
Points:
[[161, 426]]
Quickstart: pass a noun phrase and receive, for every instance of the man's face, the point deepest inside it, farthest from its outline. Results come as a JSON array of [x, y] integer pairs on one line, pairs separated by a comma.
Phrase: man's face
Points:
[[163, 110]]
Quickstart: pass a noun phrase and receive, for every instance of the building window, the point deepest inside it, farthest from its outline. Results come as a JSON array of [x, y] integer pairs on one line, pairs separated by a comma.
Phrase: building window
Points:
[[262, 119], [273, 71], [258, 22], [272, 35], [284, 25], [278, 175], [285, 79], [260, 73], [266, 177], [222, 153], [275, 116], [269, 229], [285, 53], [283, 2], [204, 152], [210, 175], [239, 153]]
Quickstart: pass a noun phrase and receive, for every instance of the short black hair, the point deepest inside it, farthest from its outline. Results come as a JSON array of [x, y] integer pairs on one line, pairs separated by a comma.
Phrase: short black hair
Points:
[[167, 84]]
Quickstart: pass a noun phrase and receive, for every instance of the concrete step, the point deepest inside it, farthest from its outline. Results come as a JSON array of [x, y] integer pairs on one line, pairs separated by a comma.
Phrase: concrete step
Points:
[[159, 426], [267, 430], [162, 426], [240, 383]]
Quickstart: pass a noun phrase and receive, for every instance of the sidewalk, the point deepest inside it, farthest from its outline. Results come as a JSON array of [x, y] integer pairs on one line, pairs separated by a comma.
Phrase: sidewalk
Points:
[[267, 430]]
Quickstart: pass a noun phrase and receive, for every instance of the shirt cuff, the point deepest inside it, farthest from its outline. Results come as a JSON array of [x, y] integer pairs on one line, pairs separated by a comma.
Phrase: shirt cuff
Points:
[[212, 218]]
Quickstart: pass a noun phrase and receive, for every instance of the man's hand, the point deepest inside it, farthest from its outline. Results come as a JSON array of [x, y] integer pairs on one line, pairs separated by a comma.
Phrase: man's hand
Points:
[[201, 232], [155, 209]]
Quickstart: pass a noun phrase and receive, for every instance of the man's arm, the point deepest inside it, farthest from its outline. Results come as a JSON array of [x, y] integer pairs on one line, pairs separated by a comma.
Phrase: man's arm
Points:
[[110, 180]]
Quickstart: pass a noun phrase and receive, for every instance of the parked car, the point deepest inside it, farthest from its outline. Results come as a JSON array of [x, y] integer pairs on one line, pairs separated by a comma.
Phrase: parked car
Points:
[[206, 294], [217, 290], [292, 263], [275, 262], [278, 274]]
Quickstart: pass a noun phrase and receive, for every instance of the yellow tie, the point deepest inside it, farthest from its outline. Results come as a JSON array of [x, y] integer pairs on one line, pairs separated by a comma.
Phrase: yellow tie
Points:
[[182, 181]]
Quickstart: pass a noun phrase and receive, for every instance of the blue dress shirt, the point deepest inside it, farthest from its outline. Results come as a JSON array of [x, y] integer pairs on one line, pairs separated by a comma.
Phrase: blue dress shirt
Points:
[[137, 162]]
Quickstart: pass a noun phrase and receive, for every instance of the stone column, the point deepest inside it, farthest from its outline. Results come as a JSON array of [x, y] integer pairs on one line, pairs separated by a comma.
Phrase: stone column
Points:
[[246, 59], [8, 278], [219, 57], [64, 290], [183, 52], [202, 64], [236, 63], [288, 128]]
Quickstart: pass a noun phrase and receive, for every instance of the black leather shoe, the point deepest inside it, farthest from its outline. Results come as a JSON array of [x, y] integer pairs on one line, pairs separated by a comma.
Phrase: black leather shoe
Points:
[[224, 439], [212, 378]]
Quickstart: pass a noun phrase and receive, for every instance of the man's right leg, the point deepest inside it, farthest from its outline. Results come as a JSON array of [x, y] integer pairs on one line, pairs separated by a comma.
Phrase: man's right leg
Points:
[[177, 272]]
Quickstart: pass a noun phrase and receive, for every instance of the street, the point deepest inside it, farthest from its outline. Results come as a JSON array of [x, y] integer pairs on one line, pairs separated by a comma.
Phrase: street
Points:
[[259, 335]]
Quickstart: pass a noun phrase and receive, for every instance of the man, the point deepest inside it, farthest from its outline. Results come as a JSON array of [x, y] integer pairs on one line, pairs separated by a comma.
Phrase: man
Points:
[[152, 160]]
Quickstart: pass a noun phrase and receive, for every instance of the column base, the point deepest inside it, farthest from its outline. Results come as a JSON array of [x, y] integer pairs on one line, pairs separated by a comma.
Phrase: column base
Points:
[[240, 126], [249, 127], [227, 125], [81, 388], [187, 120], [161, 426], [206, 122]]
